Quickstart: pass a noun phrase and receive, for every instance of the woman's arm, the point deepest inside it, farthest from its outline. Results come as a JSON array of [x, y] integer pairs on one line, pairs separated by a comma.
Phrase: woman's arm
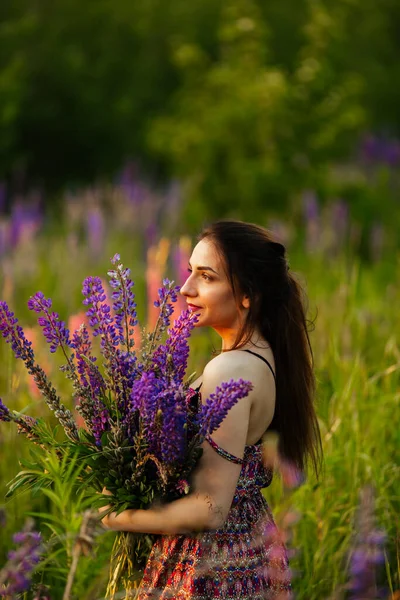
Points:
[[194, 512], [215, 479]]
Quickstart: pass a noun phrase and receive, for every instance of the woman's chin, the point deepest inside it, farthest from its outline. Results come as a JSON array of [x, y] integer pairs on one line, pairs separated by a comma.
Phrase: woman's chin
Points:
[[200, 321]]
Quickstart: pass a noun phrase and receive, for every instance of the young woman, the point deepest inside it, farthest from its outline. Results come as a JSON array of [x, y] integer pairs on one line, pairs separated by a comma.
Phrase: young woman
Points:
[[220, 541]]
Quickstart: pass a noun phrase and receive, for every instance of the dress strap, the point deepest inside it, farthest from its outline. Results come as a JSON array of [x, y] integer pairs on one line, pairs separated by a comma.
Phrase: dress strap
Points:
[[264, 359], [224, 453]]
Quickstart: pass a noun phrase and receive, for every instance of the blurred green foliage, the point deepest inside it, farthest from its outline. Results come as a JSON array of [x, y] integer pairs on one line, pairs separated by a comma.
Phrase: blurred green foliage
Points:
[[248, 102]]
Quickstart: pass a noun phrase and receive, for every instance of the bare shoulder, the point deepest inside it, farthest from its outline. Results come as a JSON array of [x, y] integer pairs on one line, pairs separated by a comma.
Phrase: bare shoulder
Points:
[[235, 363]]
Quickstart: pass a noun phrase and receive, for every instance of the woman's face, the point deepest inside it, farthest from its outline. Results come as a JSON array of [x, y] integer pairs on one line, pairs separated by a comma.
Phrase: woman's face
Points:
[[208, 291]]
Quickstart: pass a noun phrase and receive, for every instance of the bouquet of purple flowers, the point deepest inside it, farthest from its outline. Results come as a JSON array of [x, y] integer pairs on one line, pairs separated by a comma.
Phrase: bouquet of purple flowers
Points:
[[143, 433]]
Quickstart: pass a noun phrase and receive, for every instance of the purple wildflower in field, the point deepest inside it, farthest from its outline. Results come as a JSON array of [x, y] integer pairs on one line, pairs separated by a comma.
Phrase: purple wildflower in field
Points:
[[367, 553], [93, 386], [4, 412], [25, 424], [54, 330], [95, 228], [89, 374], [218, 404], [312, 220], [380, 149], [99, 313], [173, 355], [167, 295], [118, 367], [15, 576], [14, 335], [124, 304]]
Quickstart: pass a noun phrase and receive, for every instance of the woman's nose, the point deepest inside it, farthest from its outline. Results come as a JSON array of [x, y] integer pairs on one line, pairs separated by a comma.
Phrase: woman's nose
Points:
[[187, 288]]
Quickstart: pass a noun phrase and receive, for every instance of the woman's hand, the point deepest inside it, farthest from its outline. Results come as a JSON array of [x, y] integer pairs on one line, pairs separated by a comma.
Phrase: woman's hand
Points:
[[114, 521], [109, 520]]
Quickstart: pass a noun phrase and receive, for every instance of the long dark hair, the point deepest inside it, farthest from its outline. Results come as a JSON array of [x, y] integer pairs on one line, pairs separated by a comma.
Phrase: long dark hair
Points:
[[256, 266]]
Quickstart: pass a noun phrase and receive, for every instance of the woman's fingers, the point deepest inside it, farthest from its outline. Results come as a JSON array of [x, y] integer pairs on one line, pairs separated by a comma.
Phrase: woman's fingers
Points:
[[106, 520]]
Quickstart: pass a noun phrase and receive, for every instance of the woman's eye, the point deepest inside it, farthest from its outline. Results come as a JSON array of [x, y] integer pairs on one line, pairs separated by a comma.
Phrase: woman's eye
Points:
[[206, 277]]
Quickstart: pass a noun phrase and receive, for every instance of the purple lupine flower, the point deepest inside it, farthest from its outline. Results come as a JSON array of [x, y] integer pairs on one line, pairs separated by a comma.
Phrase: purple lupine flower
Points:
[[167, 295], [370, 148], [99, 313], [145, 388], [380, 150], [15, 577], [54, 330], [368, 551], [310, 206], [82, 346], [171, 416], [215, 409], [124, 304], [128, 367], [118, 364], [95, 230], [5, 414], [93, 386], [14, 335], [22, 348], [25, 424], [312, 221], [100, 421], [391, 154], [127, 181], [145, 399], [174, 353], [95, 414]]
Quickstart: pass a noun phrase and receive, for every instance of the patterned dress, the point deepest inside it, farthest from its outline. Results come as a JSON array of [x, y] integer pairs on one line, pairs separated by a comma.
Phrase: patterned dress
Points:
[[245, 559]]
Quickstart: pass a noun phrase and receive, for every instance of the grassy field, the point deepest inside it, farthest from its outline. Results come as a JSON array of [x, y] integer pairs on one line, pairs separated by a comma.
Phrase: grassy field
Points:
[[356, 344]]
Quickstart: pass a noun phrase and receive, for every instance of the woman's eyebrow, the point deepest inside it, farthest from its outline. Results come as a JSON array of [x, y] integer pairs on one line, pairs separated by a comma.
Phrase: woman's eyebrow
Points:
[[201, 268]]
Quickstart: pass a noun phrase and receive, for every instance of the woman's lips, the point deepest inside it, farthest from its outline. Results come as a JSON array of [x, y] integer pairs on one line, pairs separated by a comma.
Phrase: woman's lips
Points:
[[194, 307]]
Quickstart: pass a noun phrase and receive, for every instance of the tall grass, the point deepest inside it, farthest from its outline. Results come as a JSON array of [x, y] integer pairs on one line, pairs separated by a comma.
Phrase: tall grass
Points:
[[357, 360], [356, 343]]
